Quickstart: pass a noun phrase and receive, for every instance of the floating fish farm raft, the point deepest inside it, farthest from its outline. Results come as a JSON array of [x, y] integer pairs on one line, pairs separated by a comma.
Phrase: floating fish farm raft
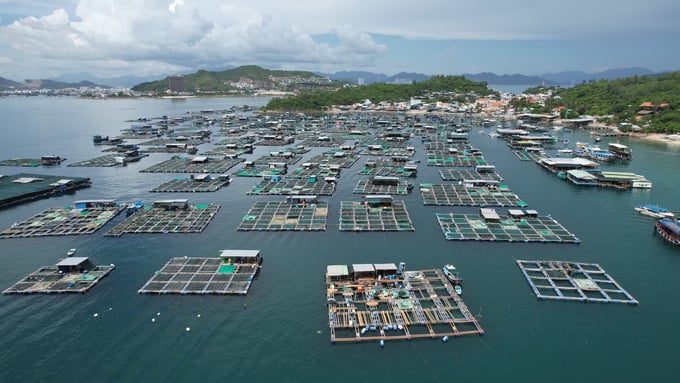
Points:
[[293, 187], [195, 184], [375, 213], [573, 281], [468, 174], [232, 273], [71, 275], [200, 164], [85, 217], [109, 160], [261, 170], [469, 195], [518, 226], [329, 159], [33, 162], [297, 213], [382, 167], [167, 216], [23, 187], [375, 302], [383, 185]]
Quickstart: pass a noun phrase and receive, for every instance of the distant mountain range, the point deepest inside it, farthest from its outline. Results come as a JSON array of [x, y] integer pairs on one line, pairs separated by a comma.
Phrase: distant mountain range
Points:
[[567, 78], [560, 78], [6, 84]]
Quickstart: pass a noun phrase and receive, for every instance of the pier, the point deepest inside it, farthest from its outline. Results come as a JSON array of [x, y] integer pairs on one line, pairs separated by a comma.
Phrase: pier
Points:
[[573, 281], [517, 226], [167, 216], [232, 272], [70, 275], [378, 302]]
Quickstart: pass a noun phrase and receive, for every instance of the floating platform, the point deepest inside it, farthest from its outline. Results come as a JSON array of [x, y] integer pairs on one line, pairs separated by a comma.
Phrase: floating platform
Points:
[[109, 160], [468, 174], [389, 168], [71, 275], [521, 228], [85, 217], [309, 186], [329, 159], [261, 170], [167, 216], [232, 273], [469, 195], [33, 162], [321, 142], [377, 303], [383, 185], [200, 164], [573, 281], [453, 159], [376, 213], [23, 187], [298, 213], [201, 183]]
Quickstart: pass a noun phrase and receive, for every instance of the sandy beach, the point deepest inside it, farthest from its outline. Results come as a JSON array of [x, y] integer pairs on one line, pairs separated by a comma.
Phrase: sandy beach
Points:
[[671, 139]]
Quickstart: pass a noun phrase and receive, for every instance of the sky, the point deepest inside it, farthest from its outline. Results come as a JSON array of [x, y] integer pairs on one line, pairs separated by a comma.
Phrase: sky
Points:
[[111, 38]]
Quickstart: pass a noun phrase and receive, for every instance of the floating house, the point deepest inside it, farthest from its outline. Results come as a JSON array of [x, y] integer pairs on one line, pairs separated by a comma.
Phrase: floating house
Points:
[[70, 275]]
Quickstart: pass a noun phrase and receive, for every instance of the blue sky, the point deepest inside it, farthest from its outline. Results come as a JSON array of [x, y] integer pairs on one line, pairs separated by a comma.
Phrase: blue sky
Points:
[[109, 38]]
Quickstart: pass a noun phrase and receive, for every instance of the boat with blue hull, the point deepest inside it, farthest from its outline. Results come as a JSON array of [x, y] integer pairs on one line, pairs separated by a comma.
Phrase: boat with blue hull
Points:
[[453, 276], [654, 211]]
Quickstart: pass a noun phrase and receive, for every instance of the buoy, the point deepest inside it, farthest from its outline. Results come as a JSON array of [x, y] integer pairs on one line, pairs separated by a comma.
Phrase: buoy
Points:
[[158, 314], [382, 343], [153, 320], [110, 308], [445, 338], [198, 316], [188, 329], [95, 315]]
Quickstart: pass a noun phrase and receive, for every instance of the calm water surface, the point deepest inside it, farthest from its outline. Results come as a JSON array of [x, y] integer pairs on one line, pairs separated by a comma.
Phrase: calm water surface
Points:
[[278, 332]]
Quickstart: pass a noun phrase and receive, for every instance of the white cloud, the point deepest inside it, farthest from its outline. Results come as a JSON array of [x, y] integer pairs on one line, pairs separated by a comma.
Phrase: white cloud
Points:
[[115, 37]]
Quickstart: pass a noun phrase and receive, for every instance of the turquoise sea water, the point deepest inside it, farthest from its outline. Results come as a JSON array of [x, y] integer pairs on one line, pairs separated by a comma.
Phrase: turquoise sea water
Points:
[[278, 332]]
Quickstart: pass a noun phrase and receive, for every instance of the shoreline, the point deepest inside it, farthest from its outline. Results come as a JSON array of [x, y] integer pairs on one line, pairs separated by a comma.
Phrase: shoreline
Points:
[[670, 139]]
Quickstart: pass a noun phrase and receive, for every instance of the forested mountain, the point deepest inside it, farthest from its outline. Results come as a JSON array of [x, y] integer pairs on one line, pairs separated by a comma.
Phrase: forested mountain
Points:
[[449, 88]]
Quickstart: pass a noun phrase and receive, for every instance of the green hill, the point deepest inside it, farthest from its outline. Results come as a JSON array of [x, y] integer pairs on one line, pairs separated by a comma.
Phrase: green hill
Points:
[[443, 88], [242, 79], [648, 101]]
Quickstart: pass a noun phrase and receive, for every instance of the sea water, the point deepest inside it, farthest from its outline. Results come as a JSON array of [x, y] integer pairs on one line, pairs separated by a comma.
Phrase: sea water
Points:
[[279, 331]]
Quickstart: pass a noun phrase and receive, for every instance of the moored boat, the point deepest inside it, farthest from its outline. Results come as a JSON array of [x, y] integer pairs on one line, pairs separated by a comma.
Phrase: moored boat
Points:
[[453, 276], [654, 211], [669, 229], [70, 252]]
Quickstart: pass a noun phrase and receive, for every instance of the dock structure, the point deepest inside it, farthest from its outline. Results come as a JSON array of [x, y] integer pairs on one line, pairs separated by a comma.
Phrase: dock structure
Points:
[[278, 186], [195, 184], [289, 158], [379, 302], [472, 193], [483, 172], [33, 162], [322, 142], [309, 171], [110, 160], [375, 213], [23, 187], [198, 164], [389, 168], [383, 185], [529, 154], [167, 216], [84, 217], [297, 213], [517, 226], [573, 281], [70, 275], [232, 272]]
